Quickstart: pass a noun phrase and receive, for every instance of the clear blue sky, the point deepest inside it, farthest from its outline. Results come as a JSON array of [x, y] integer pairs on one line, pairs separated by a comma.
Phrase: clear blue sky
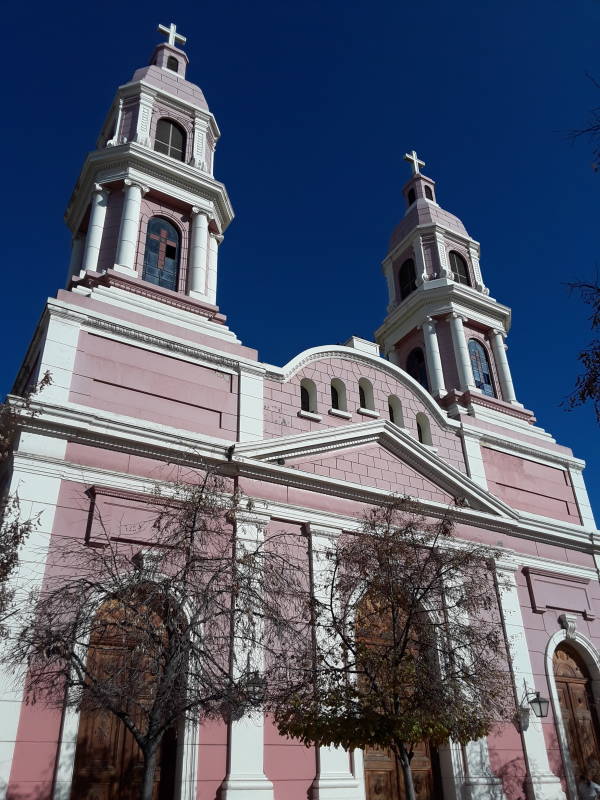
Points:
[[317, 102]]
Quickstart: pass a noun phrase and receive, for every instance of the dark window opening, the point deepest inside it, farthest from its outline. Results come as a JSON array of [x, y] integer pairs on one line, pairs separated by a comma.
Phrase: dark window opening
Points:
[[408, 278], [170, 139], [411, 196], [304, 399], [362, 397], [172, 64], [460, 271], [420, 436], [391, 413], [416, 368], [480, 364], [335, 397], [161, 257], [428, 193]]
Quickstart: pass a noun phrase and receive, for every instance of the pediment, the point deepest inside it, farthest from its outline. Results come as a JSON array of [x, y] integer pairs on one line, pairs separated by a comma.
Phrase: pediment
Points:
[[377, 455]]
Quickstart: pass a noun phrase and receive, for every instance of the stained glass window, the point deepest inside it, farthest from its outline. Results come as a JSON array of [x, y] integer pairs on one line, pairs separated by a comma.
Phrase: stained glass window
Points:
[[161, 259], [170, 139], [480, 364]]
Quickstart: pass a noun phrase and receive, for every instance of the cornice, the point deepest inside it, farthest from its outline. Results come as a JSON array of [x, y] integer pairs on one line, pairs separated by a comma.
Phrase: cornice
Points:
[[509, 445], [131, 160], [283, 374], [440, 300], [115, 432]]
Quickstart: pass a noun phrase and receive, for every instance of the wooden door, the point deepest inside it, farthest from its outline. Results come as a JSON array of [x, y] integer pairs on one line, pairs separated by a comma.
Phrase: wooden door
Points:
[[384, 780], [108, 762], [578, 711]]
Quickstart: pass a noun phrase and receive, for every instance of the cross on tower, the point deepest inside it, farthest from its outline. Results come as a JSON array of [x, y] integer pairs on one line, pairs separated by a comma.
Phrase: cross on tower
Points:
[[415, 161], [171, 32]]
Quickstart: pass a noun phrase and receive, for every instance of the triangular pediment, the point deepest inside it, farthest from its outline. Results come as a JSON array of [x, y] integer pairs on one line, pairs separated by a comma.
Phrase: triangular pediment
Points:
[[374, 455]]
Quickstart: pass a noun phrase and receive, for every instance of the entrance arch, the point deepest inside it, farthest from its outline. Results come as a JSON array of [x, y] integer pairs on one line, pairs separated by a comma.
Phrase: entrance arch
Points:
[[573, 673]]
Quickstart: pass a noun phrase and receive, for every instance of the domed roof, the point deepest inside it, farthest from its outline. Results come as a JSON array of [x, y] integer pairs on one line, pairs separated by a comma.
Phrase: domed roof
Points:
[[171, 82], [425, 212]]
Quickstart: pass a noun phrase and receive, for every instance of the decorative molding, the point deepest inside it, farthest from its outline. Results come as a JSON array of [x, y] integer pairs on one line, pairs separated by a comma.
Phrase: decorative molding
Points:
[[542, 585], [569, 624]]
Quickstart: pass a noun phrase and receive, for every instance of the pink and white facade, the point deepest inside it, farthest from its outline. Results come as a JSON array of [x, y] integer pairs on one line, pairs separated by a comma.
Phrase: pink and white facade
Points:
[[145, 374]]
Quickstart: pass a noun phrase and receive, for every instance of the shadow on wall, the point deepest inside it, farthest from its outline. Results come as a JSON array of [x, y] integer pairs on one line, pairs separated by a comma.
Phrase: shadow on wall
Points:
[[512, 775]]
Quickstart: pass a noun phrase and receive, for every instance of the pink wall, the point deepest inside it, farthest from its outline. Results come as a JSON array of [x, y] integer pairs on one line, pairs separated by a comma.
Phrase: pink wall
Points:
[[124, 379], [530, 486], [282, 402]]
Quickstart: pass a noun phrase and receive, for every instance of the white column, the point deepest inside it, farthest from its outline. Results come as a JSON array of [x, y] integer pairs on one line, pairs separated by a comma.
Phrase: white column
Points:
[[506, 384], [76, 256], [542, 784], [214, 240], [198, 259], [93, 240], [245, 772], [461, 353], [130, 227], [335, 779], [432, 357]]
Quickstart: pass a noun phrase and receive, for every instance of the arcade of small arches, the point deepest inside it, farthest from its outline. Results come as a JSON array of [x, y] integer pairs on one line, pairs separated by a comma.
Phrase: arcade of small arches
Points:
[[339, 405]]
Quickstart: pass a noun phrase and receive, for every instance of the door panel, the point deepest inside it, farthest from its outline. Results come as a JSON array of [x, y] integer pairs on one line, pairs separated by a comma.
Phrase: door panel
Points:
[[384, 779]]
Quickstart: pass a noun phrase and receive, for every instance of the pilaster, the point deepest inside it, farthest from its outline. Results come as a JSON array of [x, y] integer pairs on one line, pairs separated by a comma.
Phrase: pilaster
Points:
[[245, 758], [144, 117], [199, 143], [542, 783], [440, 245], [336, 779], [420, 268]]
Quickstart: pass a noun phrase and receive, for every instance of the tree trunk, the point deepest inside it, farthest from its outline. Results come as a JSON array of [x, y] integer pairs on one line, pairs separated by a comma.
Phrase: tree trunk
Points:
[[149, 770], [409, 787]]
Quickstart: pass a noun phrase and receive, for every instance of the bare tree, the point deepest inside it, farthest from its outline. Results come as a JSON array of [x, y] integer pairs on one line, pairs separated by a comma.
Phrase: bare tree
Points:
[[14, 529], [407, 644], [174, 630], [587, 387], [591, 130]]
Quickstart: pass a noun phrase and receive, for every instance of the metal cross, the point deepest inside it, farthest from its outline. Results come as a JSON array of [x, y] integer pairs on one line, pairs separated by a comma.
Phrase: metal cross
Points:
[[415, 161], [171, 32]]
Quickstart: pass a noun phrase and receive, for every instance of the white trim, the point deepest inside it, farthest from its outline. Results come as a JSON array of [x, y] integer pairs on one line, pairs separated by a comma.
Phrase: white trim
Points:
[[592, 658]]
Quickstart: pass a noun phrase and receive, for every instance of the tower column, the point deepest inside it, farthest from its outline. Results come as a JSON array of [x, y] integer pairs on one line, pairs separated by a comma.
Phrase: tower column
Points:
[[506, 384], [433, 359], [130, 226], [214, 240], [461, 353], [76, 256], [198, 252], [93, 240]]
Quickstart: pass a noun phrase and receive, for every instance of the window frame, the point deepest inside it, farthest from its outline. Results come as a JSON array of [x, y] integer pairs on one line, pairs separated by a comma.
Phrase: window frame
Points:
[[171, 151], [476, 348]]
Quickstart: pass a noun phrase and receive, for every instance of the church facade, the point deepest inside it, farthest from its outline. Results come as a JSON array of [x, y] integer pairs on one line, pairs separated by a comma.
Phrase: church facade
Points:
[[145, 370]]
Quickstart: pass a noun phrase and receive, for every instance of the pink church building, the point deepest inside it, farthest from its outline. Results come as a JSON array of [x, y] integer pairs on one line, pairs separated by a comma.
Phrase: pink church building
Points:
[[146, 370]]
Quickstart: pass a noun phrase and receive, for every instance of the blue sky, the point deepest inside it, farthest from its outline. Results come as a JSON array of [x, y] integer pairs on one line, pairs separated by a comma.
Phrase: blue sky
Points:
[[317, 103]]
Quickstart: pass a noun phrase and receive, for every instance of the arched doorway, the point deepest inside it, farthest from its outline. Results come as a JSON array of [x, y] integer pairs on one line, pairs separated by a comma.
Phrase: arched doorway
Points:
[[383, 774], [108, 763], [573, 687]]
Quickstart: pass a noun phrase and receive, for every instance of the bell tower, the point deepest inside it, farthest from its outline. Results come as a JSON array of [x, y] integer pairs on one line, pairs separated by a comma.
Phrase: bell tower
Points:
[[442, 326], [147, 215]]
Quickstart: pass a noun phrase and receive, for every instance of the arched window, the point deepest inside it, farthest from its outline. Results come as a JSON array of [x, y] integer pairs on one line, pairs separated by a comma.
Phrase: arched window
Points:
[[170, 139], [407, 278], [365, 394], [428, 193], [172, 64], [395, 410], [411, 196], [480, 364], [308, 396], [161, 257], [423, 429], [338, 395], [460, 271], [416, 368]]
